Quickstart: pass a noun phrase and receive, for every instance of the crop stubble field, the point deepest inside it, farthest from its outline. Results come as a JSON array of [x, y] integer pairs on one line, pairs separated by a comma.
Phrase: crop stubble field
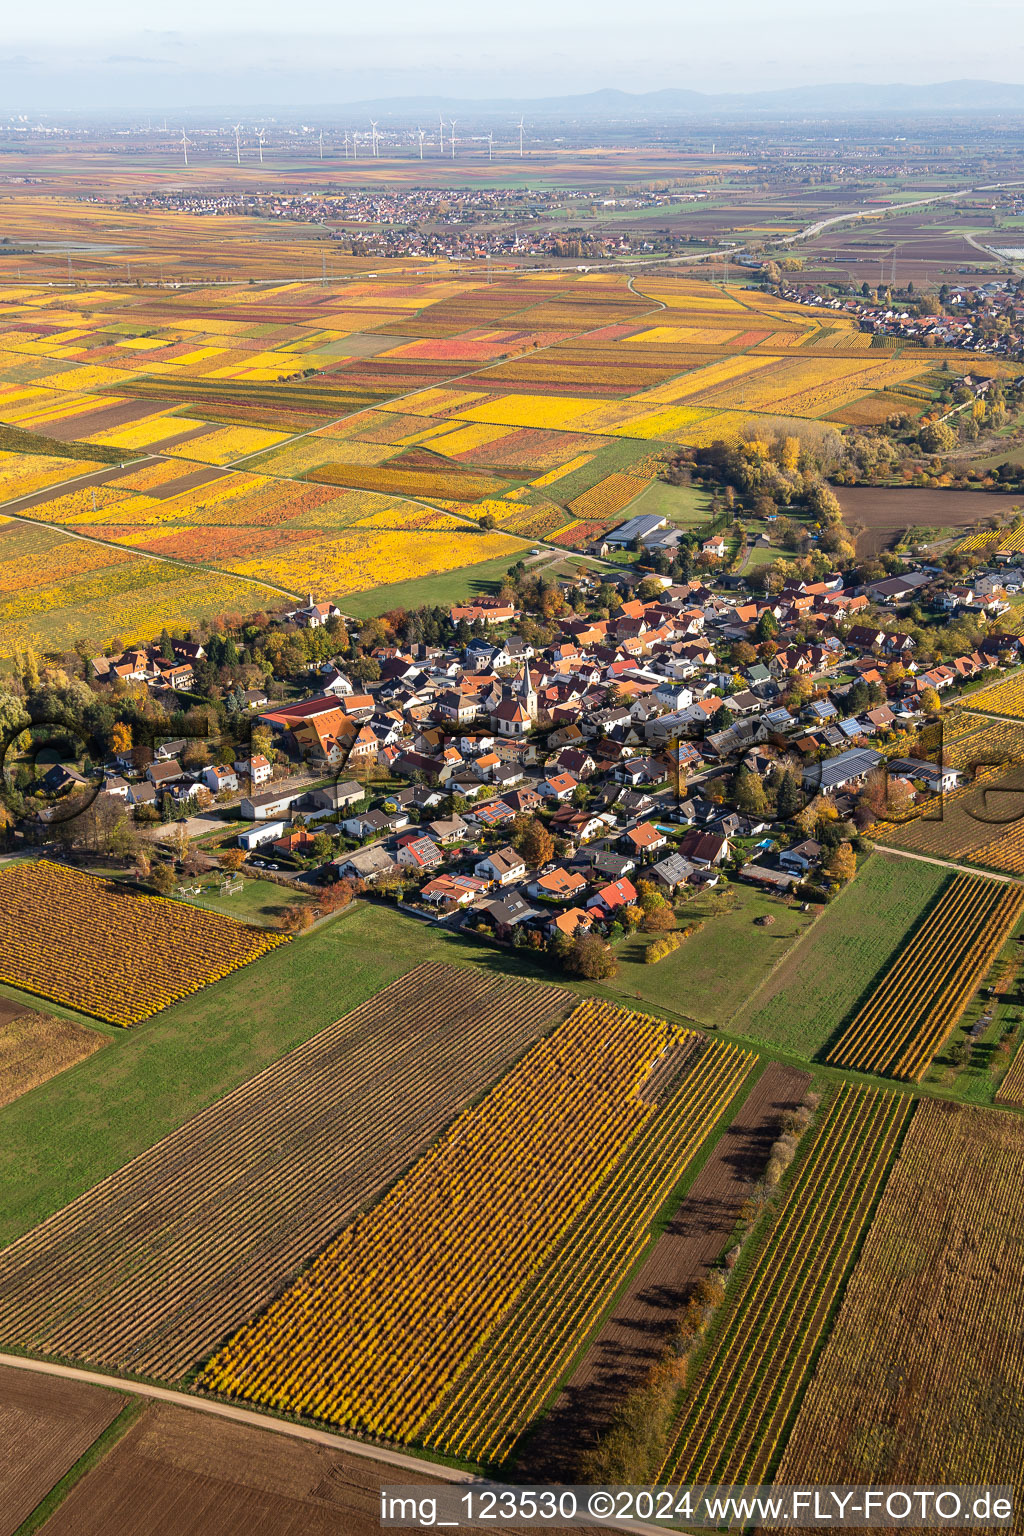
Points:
[[152, 1267], [45, 1426]]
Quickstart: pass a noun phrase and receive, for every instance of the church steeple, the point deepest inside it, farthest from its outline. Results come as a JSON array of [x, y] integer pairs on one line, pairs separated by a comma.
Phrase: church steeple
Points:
[[526, 692]]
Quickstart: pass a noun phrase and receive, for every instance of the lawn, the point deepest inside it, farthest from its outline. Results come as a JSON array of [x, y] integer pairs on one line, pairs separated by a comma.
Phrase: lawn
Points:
[[825, 976], [442, 590], [714, 972], [259, 901], [686, 506], [61, 1137]]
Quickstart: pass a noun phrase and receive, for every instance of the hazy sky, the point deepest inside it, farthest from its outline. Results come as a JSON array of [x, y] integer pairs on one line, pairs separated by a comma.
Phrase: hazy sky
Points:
[[102, 54]]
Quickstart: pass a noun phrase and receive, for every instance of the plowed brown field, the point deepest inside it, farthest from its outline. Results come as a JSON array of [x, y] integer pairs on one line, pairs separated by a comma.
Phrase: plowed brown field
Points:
[[45, 1426]]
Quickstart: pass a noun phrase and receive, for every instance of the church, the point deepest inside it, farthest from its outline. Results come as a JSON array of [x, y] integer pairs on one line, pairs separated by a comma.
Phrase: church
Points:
[[516, 713]]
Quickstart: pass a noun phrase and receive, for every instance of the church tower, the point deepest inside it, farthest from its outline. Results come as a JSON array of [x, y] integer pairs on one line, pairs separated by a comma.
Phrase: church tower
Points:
[[526, 693]]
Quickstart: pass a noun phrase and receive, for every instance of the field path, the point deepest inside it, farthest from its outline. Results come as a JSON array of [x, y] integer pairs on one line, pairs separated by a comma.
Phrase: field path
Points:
[[964, 869], [635, 1331], [239, 1416]]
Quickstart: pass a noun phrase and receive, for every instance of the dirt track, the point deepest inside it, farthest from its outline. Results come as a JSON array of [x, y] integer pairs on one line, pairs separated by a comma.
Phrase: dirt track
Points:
[[633, 1335]]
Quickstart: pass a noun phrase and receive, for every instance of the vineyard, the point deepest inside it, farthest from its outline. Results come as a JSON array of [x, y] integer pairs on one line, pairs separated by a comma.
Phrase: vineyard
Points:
[[759, 1356], [561, 1143], [959, 824], [254, 416], [500, 1389], [149, 1270], [917, 1003], [108, 951], [1011, 1089], [1005, 697], [924, 1370]]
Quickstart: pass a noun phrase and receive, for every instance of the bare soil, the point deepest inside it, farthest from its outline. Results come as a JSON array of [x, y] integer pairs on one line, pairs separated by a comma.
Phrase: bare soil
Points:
[[886, 511], [36, 1046], [45, 1426]]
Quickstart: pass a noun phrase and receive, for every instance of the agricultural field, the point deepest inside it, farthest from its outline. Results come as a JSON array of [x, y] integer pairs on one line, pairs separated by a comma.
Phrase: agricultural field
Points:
[[970, 741], [224, 1210], [759, 1354], [636, 1329], [822, 979], [625, 1129], [97, 947], [917, 1003], [36, 1046], [969, 823], [921, 1375], [231, 1479], [885, 514], [273, 439], [46, 1424]]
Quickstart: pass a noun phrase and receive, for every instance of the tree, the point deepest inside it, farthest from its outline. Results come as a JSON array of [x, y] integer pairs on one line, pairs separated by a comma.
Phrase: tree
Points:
[[533, 840], [121, 737], [650, 590], [162, 879], [751, 799], [842, 863], [591, 959], [659, 919], [767, 626], [232, 860], [790, 797], [930, 701], [322, 846]]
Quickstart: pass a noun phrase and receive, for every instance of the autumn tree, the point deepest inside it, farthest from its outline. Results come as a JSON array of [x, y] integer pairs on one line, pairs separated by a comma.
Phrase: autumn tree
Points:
[[121, 737], [842, 863], [591, 959], [533, 840]]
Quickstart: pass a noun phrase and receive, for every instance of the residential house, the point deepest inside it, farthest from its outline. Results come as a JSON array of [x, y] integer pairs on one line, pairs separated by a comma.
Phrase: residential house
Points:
[[219, 780], [644, 840], [559, 884], [367, 864], [503, 867], [611, 898], [706, 850]]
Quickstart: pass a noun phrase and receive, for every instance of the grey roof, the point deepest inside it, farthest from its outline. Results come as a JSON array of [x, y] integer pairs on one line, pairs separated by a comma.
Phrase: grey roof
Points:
[[836, 771], [673, 870], [636, 528]]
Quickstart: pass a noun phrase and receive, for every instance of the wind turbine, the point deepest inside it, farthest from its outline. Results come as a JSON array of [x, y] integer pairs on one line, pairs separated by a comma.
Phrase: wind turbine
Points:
[[373, 137], [238, 151], [440, 118], [321, 143], [490, 150], [521, 138], [422, 136], [452, 127], [261, 135], [184, 145]]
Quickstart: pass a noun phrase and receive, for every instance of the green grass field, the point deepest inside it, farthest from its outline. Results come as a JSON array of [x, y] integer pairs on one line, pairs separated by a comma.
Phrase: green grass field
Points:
[[259, 901], [820, 982], [710, 977], [444, 589], [686, 506]]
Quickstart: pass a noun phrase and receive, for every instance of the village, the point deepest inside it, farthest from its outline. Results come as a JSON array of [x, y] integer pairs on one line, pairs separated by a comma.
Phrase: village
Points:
[[698, 736]]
